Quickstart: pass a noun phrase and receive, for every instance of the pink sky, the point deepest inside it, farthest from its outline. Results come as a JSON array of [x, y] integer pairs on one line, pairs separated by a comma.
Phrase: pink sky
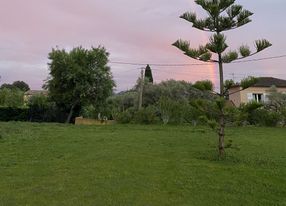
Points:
[[132, 31]]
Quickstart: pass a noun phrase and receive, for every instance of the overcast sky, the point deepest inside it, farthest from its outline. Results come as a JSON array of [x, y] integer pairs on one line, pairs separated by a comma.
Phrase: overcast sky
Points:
[[132, 31]]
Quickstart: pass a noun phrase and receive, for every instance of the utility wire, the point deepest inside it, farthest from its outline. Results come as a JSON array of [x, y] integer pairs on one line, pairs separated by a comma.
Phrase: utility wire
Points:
[[159, 65], [195, 64], [260, 59]]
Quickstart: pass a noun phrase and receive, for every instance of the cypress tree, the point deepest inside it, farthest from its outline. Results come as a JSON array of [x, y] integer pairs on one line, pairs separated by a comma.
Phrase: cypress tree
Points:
[[148, 74]]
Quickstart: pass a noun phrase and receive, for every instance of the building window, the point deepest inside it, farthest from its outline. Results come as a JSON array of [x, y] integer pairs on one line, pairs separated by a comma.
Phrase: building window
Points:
[[257, 97]]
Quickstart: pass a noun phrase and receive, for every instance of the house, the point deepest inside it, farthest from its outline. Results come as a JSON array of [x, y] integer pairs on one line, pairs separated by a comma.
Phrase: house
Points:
[[31, 93], [258, 92]]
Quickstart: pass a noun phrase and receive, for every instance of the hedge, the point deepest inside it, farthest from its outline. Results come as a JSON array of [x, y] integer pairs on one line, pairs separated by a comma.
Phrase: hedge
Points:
[[14, 114]]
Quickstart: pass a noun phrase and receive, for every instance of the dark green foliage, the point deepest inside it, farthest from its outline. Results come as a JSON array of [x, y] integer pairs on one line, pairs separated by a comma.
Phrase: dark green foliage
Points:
[[230, 56], [170, 98], [263, 117], [262, 44], [277, 103], [174, 111], [201, 53], [14, 114], [175, 90], [248, 82], [248, 111], [23, 86], [11, 97], [204, 85], [7, 86], [79, 77], [222, 15], [148, 115], [244, 51], [41, 109], [148, 74], [122, 101], [228, 84], [217, 43], [126, 116]]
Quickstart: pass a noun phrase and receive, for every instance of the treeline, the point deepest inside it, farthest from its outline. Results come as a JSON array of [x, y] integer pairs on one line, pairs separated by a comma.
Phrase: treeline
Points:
[[168, 102], [80, 83]]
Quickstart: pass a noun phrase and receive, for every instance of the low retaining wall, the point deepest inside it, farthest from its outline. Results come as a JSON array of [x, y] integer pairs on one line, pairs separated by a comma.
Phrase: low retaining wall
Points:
[[85, 121]]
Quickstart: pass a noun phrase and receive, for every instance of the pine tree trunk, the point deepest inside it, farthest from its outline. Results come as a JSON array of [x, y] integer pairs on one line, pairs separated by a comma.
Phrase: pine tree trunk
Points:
[[221, 80], [221, 134]]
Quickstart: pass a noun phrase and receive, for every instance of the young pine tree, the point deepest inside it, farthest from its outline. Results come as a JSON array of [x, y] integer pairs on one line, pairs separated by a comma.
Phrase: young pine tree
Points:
[[222, 15]]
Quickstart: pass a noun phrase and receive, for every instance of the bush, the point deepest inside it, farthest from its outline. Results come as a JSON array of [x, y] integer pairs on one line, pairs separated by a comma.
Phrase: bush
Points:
[[146, 115], [125, 116], [14, 114], [247, 112], [11, 97], [43, 110], [263, 117]]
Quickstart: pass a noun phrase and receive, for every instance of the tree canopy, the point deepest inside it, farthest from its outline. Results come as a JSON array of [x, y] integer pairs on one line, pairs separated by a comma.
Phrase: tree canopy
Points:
[[23, 86], [79, 77]]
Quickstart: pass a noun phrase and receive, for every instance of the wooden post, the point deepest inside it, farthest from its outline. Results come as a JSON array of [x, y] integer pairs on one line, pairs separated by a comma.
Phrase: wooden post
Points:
[[141, 89]]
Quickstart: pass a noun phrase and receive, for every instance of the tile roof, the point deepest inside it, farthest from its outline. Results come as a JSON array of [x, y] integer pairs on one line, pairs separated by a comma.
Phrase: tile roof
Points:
[[270, 81], [267, 82], [34, 92]]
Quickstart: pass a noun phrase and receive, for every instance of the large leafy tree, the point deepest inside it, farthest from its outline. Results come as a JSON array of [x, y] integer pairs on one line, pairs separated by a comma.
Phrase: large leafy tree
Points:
[[222, 15], [23, 86], [79, 77], [7, 86]]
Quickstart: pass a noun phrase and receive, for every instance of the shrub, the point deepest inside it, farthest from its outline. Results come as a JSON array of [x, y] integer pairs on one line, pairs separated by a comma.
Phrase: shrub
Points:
[[11, 97], [166, 109], [41, 109], [248, 111], [204, 85], [14, 114], [146, 115], [172, 111], [263, 117], [125, 116]]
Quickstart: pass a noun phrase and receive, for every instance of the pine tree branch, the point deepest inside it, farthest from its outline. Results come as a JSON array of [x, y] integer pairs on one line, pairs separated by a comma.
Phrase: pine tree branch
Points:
[[245, 51], [202, 53]]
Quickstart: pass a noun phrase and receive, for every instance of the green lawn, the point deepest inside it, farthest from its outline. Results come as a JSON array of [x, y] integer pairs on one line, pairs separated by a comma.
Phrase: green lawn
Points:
[[53, 164]]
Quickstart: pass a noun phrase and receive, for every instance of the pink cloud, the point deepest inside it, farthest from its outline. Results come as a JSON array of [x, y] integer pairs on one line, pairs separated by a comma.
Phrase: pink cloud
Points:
[[134, 31]]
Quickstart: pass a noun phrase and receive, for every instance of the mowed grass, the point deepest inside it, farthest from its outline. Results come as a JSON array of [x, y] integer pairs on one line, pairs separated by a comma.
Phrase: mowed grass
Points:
[[53, 164]]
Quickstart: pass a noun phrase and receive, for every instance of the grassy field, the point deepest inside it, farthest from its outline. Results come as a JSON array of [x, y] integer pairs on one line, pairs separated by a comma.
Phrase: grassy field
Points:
[[53, 164]]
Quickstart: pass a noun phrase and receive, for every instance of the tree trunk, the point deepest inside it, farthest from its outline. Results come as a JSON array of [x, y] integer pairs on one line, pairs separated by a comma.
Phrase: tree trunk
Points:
[[221, 134], [70, 114], [221, 80], [141, 90]]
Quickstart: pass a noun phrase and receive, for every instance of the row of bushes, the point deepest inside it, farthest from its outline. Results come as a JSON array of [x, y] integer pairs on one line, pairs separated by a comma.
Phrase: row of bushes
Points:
[[249, 114], [166, 111], [33, 114], [14, 114]]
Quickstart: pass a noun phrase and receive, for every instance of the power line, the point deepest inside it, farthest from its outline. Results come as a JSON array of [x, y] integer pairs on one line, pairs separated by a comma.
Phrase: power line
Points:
[[158, 64], [195, 64], [260, 59]]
